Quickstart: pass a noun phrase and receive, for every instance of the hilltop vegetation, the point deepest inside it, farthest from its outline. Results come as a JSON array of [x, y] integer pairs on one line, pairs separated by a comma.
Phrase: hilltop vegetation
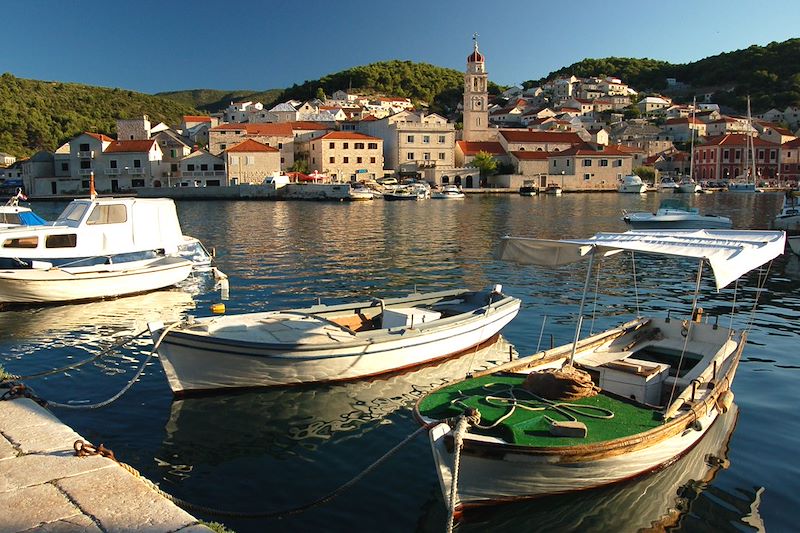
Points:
[[769, 74], [213, 100], [42, 115]]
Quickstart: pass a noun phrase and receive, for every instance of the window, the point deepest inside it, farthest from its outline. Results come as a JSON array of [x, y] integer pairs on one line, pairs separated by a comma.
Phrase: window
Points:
[[426, 139], [107, 214], [587, 177], [410, 138], [313, 160], [212, 183], [358, 160], [282, 160], [345, 160], [371, 159], [604, 162], [223, 146], [426, 156], [84, 147], [204, 166], [358, 146], [346, 146], [84, 184], [137, 183], [137, 163], [441, 139], [113, 163], [410, 156], [280, 146], [65, 167], [332, 160], [587, 162], [173, 167], [761, 154], [173, 152], [21, 242], [331, 145], [190, 167], [219, 166], [618, 162], [372, 146], [86, 164], [250, 160], [772, 155], [441, 156]]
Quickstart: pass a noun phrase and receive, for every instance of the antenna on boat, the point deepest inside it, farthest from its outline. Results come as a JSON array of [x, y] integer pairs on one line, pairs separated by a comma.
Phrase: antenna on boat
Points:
[[92, 191]]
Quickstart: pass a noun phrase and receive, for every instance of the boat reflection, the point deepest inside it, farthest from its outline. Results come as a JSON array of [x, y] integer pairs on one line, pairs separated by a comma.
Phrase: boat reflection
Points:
[[657, 502], [296, 421]]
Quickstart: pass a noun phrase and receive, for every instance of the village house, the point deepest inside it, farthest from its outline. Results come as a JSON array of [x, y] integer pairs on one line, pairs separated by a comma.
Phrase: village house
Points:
[[680, 129], [467, 150], [74, 161], [278, 135], [726, 157], [200, 169], [790, 161], [347, 156], [174, 147], [726, 124], [589, 167], [251, 162], [650, 105], [6, 159], [195, 128], [130, 165]]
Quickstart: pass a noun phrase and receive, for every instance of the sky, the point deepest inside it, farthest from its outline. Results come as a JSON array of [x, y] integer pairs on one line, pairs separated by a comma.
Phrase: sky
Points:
[[167, 45]]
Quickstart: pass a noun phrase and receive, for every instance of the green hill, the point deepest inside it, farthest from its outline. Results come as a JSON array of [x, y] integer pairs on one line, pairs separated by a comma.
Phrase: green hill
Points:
[[214, 100], [769, 74], [42, 115]]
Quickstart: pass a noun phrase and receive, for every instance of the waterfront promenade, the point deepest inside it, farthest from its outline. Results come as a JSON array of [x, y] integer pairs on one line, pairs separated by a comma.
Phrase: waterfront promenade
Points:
[[44, 486]]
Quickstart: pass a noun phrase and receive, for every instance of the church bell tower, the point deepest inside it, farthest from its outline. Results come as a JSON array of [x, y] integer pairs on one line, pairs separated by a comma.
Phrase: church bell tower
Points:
[[476, 97]]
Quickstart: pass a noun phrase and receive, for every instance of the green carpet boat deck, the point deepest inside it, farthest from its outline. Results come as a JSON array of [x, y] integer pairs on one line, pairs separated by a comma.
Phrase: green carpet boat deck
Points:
[[494, 396]]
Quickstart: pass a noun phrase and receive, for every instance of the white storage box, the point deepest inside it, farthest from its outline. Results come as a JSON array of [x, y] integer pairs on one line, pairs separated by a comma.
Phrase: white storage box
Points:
[[408, 316], [632, 378]]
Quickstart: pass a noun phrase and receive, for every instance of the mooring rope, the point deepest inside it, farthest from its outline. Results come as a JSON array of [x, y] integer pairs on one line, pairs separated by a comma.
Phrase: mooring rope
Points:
[[458, 442], [103, 353], [82, 448]]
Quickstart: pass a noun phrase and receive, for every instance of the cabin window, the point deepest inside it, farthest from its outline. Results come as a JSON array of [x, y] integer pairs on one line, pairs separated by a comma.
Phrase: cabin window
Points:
[[73, 212], [108, 214], [10, 218], [69, 240], [21, 242]]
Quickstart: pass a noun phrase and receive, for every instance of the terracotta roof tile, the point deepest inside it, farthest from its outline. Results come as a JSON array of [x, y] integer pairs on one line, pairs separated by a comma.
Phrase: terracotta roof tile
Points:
[[130, 146], [472, 148], [532, 155], [196, 118], [252, 146], [522, 136], [100, 137]]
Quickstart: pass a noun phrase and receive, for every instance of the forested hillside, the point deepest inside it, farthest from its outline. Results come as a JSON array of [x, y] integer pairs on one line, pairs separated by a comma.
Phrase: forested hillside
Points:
[[213, 100], [769, 74], [42, 115]]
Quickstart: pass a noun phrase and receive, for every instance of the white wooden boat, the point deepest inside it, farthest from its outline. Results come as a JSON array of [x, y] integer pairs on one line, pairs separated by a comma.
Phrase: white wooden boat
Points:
[[554, 189], [51, 284], [667, 185], [675, 213], [328, 343], [119, 242], [448, 192], [632, 185], [406, 192], [662, 383]]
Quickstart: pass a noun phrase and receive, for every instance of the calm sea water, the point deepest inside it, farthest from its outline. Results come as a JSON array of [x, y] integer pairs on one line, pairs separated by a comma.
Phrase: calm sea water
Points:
[[277, 449]]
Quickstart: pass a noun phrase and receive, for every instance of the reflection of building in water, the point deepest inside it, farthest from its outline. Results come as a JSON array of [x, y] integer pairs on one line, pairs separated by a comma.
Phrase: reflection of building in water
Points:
[[282, 422]]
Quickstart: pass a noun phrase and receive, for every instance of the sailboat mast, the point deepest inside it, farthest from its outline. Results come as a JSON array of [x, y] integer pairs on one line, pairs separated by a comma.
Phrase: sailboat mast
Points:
[[691, 145], [751, 149]]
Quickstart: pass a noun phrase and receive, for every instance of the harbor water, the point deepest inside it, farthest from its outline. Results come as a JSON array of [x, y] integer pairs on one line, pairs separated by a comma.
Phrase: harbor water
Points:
[[277, 449]]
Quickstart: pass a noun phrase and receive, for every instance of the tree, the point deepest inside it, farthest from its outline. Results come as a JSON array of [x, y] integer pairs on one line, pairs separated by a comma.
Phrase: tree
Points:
[[648, 174], [300, 165], [321, 94], [485, 162]]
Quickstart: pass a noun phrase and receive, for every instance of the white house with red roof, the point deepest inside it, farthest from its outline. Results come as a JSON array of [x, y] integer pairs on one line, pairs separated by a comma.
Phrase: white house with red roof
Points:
[[279, 135], [347, 156], [467, 150], [727, 124], [74, 161], [130, 165], [199, 169], [590, 167], [250, 162]]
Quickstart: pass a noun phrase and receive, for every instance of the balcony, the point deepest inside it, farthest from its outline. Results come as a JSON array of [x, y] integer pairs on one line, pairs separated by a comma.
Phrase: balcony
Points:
[[86, 154], [112, 171], [85, 171]]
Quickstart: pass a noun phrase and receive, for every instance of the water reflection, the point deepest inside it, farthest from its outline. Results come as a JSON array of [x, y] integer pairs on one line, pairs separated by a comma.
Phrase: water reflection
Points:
[[302, 423]]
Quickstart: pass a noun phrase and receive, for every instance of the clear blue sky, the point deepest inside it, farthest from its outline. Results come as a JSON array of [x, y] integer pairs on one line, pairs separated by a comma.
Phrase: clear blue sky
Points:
[[164, 45]]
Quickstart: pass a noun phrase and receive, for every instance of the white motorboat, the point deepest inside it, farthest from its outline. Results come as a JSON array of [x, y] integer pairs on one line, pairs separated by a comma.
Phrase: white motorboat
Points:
[[667, 185], [328, 343], [554, 189], [789, 217], [360, 192], [448, 192], [127, 245], [675, 213], [528, 188], [688, 185], [632, 184], [13, 214], [604, 408], [414, 191]]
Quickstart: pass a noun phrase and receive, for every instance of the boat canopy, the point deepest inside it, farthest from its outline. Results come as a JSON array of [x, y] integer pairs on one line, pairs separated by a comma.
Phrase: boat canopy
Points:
[[29, 218], [730, 253]]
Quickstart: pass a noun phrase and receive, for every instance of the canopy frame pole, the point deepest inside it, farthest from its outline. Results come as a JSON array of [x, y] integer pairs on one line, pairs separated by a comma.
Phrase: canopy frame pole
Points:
[[583, 301]]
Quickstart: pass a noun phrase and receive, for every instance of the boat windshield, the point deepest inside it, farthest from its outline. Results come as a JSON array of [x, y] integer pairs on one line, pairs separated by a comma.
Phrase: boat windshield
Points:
[[674, 203], [72, 214]]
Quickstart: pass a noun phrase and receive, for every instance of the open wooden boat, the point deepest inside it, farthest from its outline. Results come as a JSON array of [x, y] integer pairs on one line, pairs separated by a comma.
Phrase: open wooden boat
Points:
[[328, 343], [659, 384]]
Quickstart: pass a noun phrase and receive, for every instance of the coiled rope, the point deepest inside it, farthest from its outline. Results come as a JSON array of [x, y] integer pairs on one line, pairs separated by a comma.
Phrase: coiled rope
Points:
[[82, 448], [458, 442]]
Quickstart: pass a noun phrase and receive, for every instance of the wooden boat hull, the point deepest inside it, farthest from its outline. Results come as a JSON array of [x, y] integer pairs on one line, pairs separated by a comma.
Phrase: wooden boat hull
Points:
[[196, 361], [90, 283], [494, 471]]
